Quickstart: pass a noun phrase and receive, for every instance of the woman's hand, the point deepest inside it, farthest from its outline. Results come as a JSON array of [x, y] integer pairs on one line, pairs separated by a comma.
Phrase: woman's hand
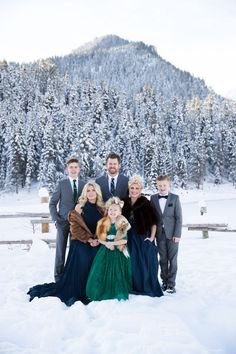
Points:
[[149, 239], [93, 242], [78, 209]]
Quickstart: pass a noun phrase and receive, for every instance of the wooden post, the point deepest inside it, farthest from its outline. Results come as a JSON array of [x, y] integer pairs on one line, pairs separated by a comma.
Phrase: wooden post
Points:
[[44, 195], [45, 227], [205, 233], [44, 199]]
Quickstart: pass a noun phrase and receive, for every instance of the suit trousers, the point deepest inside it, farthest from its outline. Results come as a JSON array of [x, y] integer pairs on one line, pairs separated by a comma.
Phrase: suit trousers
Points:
[[168, 252], [61, 244]]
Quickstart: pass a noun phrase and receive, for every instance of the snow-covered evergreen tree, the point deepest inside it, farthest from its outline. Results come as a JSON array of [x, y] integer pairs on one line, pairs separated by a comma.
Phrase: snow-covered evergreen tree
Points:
[[126, 141], [16, 153], [32, 153], [118, 96], [48, 165], [197, 157]]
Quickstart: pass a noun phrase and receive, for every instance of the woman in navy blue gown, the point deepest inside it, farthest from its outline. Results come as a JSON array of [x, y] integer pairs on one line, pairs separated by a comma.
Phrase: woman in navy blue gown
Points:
[[141, 240], [83, 247]]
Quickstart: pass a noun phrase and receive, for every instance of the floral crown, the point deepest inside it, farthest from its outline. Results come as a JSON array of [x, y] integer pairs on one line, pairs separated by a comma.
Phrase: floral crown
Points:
[[114, 200]]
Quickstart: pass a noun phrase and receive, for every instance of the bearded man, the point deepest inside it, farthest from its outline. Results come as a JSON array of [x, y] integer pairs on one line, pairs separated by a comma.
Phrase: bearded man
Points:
[[113, 183]]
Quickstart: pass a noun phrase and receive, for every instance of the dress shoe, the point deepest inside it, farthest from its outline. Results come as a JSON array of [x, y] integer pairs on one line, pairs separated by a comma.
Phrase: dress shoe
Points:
[[164, 287], [171, 290]]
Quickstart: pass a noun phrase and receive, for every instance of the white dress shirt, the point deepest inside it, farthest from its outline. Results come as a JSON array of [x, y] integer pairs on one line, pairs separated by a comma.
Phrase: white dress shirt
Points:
[[162, 202], [72, 183]]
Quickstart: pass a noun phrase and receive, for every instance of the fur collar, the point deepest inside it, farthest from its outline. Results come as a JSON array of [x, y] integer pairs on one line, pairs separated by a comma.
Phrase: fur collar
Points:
[[141, 214], [122, 226]]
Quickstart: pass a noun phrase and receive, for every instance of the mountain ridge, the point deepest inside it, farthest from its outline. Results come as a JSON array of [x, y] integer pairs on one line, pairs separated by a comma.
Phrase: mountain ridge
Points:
[[129, 66]]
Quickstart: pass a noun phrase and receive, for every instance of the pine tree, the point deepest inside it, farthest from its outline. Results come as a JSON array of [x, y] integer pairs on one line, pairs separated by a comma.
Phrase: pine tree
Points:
[[126, 139], [48, 166], [32, 153], [16, 154], [3, 145]]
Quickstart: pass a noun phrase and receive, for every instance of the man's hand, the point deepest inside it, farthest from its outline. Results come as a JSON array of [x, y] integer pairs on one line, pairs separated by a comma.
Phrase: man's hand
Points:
[[175, 239]]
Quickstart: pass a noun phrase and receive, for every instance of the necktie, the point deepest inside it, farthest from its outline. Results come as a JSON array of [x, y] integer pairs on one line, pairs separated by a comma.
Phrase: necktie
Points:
[[162, 196], [75, 192], [112, 189]]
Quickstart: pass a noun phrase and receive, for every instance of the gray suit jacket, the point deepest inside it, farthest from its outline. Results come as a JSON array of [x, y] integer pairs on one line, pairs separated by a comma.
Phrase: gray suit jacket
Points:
[[121, 187], [61, 201], [171, 218]]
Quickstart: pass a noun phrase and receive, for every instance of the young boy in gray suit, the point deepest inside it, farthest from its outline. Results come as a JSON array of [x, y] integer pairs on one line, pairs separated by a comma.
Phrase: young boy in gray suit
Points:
[[168, 231], [64, 199]]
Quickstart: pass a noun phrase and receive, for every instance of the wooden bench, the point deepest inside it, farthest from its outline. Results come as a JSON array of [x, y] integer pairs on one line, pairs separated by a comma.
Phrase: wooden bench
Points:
[[24, 215], [205, 228], [50, 242], [44, 221], [42, 218]]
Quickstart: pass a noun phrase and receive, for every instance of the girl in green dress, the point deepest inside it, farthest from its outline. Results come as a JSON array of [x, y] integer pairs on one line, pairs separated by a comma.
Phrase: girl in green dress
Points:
[[110, 274]]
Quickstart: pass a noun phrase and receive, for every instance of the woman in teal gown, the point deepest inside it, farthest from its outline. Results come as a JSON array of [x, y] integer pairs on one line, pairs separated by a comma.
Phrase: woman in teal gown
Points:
[[110, 274], [83, 247]]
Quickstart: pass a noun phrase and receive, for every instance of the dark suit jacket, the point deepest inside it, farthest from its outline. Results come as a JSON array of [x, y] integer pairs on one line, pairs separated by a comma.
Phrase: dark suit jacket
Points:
[[121, 187], [61, 201], [171, 218]]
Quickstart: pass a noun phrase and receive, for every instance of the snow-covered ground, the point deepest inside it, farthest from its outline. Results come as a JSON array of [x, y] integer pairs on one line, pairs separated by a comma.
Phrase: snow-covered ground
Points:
[[200, 318]]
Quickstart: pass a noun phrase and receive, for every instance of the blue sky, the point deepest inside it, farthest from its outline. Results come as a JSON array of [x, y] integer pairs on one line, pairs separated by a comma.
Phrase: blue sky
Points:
[[194, 35]]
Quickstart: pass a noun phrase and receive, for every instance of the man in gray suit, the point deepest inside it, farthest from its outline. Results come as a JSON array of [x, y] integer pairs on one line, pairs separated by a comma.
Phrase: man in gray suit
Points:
[[113, 183], [64, 199], [168, 231]]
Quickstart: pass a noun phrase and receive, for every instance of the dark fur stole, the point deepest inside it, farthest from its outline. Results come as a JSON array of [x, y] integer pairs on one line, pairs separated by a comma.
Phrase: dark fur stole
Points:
[[141, 213]]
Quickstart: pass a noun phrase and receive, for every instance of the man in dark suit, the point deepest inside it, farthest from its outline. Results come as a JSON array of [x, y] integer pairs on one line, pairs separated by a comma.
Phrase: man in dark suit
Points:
[[113, 183], [64, 199], [168, 231]]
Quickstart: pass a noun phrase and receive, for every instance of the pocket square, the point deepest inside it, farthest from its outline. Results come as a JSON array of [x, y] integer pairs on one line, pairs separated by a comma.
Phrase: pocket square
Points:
[[170, 205]]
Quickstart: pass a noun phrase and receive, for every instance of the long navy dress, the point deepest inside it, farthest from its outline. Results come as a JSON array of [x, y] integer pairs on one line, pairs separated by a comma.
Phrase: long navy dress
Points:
[[72, 285], [144, 261]]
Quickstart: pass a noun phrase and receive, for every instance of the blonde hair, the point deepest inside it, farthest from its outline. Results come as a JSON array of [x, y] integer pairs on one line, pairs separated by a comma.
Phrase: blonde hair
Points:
[[83, 198], [114, 200], [136, 179]]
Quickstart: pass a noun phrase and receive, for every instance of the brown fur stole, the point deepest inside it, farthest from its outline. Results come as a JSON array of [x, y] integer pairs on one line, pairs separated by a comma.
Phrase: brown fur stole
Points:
[[78, 229]]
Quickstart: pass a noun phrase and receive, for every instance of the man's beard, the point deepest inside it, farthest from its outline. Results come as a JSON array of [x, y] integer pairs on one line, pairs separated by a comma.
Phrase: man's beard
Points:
[[113, 171]]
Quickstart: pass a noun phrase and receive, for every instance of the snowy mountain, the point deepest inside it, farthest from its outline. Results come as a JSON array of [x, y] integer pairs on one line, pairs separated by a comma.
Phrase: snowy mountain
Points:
[[128, 67], [112, 95], [104, 42]]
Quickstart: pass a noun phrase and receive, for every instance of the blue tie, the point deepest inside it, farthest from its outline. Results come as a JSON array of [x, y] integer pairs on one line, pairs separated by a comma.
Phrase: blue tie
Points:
[[112, 190]]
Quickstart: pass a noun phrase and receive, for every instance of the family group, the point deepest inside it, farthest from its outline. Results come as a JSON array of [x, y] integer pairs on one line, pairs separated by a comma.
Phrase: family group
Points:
[[117, 237]]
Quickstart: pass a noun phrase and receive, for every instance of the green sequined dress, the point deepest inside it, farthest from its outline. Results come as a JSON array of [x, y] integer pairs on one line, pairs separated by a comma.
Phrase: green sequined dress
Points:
[[110, 274]]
